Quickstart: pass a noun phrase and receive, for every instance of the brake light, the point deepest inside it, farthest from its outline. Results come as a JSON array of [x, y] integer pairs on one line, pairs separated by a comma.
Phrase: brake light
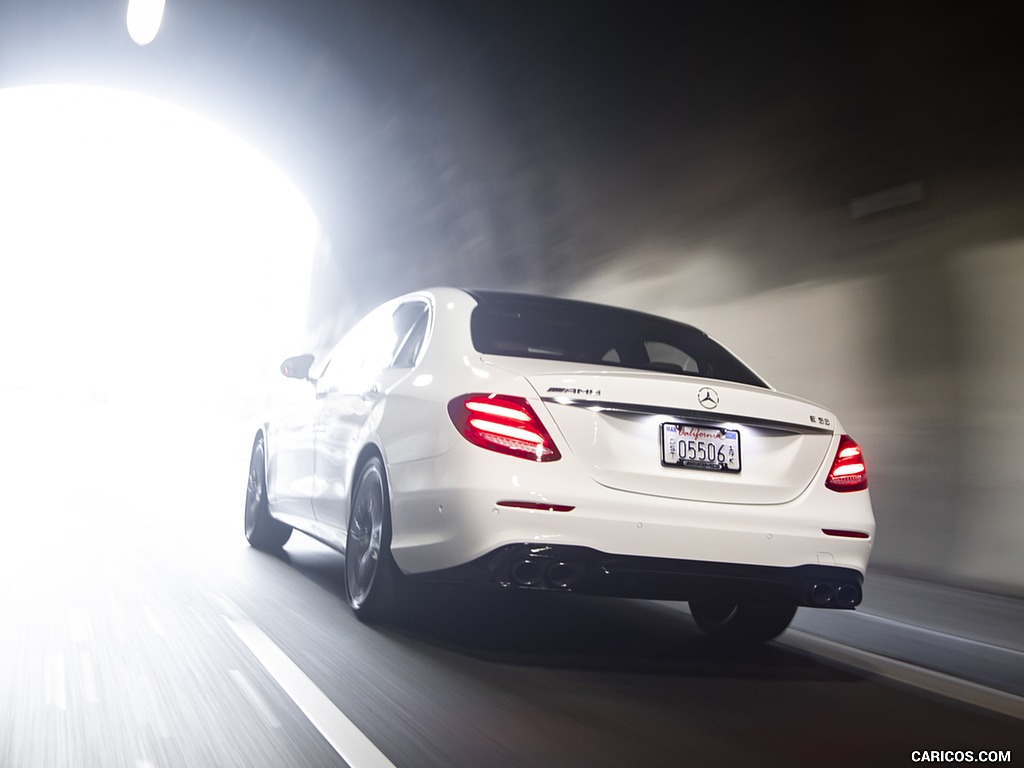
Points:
[[503, 423], [848, 472]]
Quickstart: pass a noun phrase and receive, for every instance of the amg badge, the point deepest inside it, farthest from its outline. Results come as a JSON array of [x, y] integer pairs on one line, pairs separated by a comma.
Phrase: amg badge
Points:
[[574, 391]]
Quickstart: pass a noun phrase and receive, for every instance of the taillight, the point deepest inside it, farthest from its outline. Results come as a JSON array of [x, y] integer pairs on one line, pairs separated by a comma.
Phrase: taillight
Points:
[[848, 471], [504, 424]]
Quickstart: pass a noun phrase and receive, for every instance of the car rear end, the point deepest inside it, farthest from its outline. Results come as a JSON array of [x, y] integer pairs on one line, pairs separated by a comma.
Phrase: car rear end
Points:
[[615, 453]]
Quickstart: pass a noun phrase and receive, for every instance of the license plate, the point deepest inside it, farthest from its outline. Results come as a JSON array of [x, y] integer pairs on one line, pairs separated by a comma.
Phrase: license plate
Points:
[[693, 447]]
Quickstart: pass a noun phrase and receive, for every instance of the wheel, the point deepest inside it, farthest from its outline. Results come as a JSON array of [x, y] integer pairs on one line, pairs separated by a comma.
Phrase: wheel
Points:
[[743, 623], [373, 582], [262, 531]]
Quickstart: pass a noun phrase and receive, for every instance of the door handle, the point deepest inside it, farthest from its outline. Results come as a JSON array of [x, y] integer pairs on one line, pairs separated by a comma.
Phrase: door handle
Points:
[[371, 393]]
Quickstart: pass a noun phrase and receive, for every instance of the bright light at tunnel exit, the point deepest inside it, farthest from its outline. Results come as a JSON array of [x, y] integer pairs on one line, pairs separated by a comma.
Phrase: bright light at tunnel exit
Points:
[[147, 255]]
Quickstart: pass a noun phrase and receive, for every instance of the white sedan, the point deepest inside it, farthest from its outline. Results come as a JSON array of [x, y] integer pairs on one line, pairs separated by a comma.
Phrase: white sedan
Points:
[[540, 443]]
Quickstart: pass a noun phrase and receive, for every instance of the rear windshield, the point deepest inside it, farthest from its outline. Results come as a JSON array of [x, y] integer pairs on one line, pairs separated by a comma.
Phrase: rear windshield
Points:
[[580, 332]]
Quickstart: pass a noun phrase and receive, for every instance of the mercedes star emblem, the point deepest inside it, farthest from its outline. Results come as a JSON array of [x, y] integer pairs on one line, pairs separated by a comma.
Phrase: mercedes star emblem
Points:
[[707, 397]]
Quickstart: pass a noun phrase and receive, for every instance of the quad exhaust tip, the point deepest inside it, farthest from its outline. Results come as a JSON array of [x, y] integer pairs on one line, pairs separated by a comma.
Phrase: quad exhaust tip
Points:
[[527, 573], [556, 574], [825, 594], [847, 595], [562, 575]]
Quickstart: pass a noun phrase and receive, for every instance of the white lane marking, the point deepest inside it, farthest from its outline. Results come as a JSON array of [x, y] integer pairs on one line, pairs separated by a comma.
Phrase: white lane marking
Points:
[[155, 704], [75, 627], [908, 674], [227, 605], [347, 740], [154, 622], [255, 699], [60, 691], [946, 636], [88, 678]]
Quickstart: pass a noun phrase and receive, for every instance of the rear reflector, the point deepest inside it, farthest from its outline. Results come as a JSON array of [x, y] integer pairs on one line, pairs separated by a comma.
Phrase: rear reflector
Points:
[[541, 505], [848, 472], [502, 423], [845, 534]]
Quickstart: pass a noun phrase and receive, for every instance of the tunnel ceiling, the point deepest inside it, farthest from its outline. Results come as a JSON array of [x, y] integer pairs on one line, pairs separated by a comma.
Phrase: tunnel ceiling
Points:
[[505, 143]]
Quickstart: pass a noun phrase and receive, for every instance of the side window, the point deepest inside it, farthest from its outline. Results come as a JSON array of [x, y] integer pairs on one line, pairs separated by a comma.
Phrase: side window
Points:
[[409, 350], [382, 339], [368, 347]]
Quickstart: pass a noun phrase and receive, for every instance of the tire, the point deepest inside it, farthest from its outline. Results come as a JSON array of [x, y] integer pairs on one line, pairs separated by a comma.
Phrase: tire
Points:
[[743, 623], [262, 531], [373, 583]]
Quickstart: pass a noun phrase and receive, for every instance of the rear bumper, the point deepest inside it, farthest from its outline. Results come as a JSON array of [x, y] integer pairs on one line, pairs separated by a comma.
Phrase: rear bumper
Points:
[[588, 571], [459, 509]]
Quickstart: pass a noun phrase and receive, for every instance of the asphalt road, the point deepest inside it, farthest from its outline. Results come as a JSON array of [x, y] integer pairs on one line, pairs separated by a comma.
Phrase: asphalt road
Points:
[[138, 629]]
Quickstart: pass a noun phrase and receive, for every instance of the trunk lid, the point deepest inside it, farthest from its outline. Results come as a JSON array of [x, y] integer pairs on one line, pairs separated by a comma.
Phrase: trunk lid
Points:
[[612, 419]]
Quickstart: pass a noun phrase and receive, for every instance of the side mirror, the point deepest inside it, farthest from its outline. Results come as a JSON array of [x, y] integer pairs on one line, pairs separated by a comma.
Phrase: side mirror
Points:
[[297, 367]]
